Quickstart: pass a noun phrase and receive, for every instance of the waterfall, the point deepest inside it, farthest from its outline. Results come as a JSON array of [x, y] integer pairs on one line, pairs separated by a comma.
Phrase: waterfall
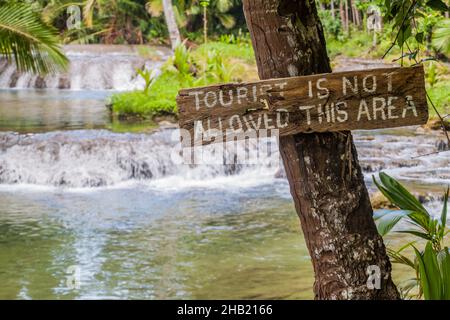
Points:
[[92, 67], [96, 158]]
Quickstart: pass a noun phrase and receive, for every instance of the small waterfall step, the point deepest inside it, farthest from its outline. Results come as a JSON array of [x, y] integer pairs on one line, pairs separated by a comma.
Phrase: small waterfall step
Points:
[[92, 67]]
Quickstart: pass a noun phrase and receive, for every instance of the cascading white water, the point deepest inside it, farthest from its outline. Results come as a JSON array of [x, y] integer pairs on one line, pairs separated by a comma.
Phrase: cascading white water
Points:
[[93, 158], [92, 67]]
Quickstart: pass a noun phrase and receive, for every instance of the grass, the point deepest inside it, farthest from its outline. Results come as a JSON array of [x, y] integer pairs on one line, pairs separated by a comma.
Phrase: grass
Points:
[[360, 44], [243, 52], [440, 95], [159, 100]]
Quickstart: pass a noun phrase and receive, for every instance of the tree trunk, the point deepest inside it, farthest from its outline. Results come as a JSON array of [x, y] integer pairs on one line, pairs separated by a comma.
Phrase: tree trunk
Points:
[[357, 16], [205, 24], [333, 14], [347, 29], [342, 14], [322, 168], [169, 15], [353, 12]]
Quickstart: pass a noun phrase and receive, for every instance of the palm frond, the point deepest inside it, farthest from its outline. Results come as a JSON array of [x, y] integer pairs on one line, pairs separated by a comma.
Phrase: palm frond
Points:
[[27, 40], [441, 36]]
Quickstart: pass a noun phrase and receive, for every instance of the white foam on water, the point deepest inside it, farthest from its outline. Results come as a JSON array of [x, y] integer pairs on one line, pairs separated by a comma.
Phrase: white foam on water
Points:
[[98, 158], [88, 160], [247, 179]]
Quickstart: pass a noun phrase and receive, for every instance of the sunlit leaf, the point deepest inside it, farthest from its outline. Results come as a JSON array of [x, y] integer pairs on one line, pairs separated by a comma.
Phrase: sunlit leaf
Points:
[[387, 222]]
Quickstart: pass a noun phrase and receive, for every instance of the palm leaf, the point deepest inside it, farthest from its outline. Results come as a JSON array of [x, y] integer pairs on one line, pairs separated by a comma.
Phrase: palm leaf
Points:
[[399, 195], [433, 272], [402, 198], [441, 36], [27, 40], [443, 258], [425, 283], [399, 258], [417, 234], [386, 224]]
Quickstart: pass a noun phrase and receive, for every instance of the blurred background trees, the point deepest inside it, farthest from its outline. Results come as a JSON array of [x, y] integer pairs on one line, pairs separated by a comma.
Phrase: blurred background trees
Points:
[[144, 21]]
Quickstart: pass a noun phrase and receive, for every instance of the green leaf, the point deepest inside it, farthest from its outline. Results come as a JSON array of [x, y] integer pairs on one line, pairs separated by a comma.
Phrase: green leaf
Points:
[[28, 41], [424, 282], [398, 194], [419, 37], [433, 271], [421, 221], [404, 34], [387, 222], [437, 5], [417, 234], [402, 198], [444, 264], [441, 36], [397, 257], [378, 214]]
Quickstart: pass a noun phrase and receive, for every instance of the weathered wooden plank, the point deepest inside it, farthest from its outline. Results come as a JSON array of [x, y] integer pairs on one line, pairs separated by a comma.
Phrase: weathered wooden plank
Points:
[[367, 99]]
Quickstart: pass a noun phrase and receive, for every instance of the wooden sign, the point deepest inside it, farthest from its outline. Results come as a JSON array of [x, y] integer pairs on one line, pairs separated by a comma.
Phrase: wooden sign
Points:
[[367, 99]]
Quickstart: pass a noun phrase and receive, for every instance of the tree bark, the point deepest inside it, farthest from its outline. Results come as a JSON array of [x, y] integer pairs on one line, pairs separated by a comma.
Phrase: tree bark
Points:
[[169, 16], [333, 13], [205, 24], [347, 24], [352, 8], [357, 18], [342, 14], [323, 171]]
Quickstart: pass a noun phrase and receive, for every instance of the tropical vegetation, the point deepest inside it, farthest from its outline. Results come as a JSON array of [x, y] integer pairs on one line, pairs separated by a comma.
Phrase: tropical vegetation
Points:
[[214, 62], [430, 257]]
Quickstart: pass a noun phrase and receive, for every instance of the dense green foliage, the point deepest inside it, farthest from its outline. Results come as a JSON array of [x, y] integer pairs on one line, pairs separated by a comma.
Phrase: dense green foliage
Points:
[[431, 265], [413, 19], [137, 21], [208, 64], [159, 100]]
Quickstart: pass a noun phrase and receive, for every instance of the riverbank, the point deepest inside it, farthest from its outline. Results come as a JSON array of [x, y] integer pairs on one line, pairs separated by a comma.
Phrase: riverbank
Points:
[[218, 62]]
